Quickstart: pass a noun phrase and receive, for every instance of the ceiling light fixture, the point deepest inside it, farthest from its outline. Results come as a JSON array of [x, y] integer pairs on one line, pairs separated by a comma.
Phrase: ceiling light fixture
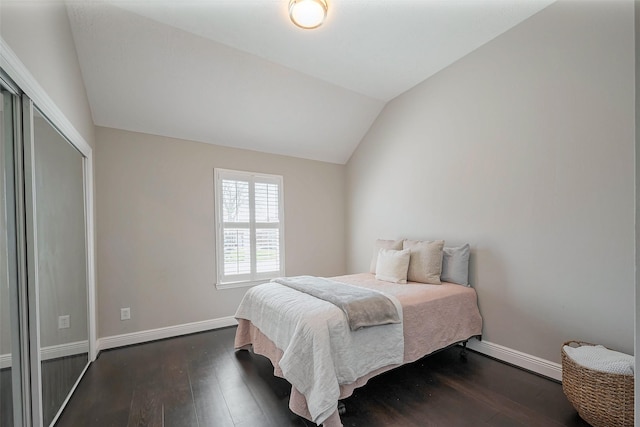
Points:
[[308, 14]]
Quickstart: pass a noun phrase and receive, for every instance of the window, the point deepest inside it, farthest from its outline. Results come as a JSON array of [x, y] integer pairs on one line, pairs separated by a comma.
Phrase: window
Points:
[[249, 227]]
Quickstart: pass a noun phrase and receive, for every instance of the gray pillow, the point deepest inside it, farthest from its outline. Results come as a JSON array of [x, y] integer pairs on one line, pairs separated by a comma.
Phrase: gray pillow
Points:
[[455, 265]]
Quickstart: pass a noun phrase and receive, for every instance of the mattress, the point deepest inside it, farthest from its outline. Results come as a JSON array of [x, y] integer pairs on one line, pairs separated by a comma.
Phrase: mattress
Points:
[[433, 317]]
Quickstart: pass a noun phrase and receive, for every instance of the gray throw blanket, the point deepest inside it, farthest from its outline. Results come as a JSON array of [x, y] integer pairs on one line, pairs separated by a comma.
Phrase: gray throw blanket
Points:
[[363, 307]]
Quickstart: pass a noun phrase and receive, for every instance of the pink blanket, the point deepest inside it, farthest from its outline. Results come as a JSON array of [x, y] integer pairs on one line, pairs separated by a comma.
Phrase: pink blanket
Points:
[[434, 317]]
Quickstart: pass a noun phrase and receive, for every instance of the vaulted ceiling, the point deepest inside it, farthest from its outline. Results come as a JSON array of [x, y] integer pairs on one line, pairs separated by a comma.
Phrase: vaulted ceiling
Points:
[[239, 73]]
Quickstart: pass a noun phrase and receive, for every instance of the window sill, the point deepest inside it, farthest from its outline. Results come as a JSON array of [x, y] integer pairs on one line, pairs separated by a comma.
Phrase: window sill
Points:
[[233, 285]]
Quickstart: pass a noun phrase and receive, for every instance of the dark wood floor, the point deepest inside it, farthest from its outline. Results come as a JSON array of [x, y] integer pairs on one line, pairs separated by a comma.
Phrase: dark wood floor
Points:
[[6, 399], [58, 377], [199, 380]]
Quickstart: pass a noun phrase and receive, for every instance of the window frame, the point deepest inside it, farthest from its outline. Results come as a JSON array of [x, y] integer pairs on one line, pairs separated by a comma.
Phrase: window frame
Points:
[[241, 280]]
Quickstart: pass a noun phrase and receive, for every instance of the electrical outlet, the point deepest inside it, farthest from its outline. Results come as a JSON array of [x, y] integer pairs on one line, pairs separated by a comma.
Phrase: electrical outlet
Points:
[[63, 322], [125, 313]]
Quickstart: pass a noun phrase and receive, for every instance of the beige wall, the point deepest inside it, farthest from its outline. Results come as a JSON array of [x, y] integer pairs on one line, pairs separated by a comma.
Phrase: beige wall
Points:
[[39, 34], [525, 149], [155, 223]]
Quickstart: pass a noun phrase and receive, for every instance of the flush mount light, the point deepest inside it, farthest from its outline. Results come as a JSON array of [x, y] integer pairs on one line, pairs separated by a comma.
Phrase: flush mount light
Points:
[[308, 14]]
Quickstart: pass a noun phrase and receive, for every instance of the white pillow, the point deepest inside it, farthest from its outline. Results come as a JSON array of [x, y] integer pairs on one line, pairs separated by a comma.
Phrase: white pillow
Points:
[[383, 244], [426, 261], [392, 265]]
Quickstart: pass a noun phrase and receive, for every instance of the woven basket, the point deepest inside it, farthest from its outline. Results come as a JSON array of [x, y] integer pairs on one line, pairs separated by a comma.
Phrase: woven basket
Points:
[[601, 399]]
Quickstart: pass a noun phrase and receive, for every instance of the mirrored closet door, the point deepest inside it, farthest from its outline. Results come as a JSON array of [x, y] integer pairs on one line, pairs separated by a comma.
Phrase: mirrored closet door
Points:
[[56, 230], [45, 320]]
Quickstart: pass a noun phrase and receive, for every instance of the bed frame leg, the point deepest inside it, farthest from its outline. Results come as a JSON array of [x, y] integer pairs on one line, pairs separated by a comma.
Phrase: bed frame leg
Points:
[[341, 408], [463, 352]]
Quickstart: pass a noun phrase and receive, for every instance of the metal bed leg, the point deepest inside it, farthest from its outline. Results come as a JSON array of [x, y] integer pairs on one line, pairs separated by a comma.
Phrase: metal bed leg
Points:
[[463, 352]]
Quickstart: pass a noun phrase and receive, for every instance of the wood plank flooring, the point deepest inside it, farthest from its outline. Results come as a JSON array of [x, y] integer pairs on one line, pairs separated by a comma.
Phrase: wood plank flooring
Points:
[[58, 376], [6, 399], [200, 381]]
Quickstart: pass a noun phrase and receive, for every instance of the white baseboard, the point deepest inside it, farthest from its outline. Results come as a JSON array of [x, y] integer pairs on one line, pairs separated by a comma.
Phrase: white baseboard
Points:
[[518, 358], [514, 357], [63, 350], [52, 352], [161, 333]]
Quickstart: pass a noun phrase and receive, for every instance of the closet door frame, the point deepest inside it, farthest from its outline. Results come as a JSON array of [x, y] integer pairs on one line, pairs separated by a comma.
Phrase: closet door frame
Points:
[[35, 96]]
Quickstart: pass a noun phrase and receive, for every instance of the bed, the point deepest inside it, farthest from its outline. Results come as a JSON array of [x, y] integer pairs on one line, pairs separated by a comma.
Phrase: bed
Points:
[[311, 345]]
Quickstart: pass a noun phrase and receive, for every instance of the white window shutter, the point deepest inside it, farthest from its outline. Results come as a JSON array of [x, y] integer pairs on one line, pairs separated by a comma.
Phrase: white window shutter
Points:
[[249, 224]]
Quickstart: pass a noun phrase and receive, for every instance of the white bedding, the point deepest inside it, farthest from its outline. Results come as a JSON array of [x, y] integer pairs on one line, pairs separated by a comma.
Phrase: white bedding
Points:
[[600, 358], [320, 352]]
